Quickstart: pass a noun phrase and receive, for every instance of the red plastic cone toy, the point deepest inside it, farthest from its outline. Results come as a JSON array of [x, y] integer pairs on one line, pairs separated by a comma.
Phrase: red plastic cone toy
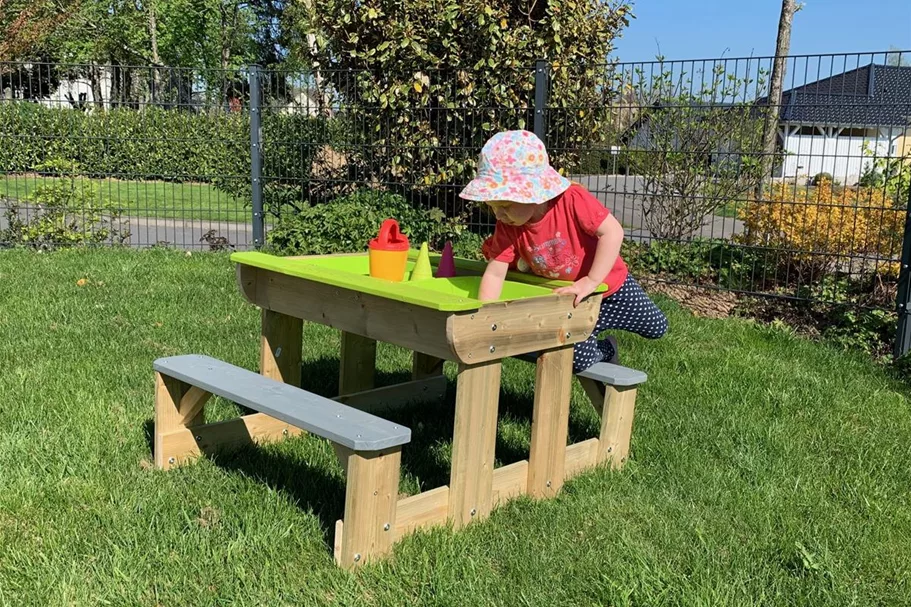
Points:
[[446, 269]]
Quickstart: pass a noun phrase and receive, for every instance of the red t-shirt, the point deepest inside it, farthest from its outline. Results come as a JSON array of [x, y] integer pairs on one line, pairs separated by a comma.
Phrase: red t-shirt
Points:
[[561, 245]]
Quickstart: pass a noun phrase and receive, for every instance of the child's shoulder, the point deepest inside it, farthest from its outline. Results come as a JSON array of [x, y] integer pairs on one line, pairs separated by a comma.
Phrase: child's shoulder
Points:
[[577, 193]]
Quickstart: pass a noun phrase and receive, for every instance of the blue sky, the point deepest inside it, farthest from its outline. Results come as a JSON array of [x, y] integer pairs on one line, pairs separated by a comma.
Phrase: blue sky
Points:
[[743, 28]]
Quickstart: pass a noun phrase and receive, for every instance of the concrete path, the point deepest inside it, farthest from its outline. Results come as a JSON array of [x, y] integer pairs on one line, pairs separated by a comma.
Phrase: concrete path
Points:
[[175, 231], [623, 195], [620, 193]]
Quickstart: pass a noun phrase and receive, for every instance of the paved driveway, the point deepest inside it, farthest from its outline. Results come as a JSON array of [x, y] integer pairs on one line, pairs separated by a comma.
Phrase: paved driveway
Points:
[[620, 193]]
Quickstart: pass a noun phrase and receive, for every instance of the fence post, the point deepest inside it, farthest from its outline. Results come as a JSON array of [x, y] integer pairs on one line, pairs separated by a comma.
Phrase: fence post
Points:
[[540, 99], [903, 335], [256, 157]]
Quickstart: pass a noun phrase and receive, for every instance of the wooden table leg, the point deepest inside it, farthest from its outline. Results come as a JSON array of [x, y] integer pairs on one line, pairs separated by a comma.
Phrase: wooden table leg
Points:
[[473, 442], [550, 422], [425, 366], [280, 347], [357, 364]]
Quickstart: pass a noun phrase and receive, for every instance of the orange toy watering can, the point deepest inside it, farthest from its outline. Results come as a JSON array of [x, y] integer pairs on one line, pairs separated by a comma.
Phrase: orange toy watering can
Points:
[[389, 252]]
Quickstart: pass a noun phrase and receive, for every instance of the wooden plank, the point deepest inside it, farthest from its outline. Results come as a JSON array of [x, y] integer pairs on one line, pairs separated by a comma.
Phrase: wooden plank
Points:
[[337, 543], [501, 330], [280, 347], [341, 454], [414, 327], [595, 392], [421, 511], [580, 457], [357, 364], [192, 406], [396, 396], [371, 497], [357, 430], [617, 425], [550, 422], [473, 442], [510, 482], [424, 365], [168, 394], [184, 444]]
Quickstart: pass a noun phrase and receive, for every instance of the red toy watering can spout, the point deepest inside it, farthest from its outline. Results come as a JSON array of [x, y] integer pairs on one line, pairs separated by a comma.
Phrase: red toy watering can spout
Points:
[[389, 238]]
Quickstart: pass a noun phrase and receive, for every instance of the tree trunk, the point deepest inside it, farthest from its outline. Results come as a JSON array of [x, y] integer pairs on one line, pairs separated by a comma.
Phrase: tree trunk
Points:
[[225, 52], [95, 83], [156, 61], [770, 129]]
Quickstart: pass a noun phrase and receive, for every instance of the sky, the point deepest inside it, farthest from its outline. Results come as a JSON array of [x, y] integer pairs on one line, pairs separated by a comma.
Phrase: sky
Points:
[[742, 28]]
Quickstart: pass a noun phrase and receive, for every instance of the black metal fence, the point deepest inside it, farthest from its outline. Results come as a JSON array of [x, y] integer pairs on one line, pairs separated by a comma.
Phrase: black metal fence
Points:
[[801, 197]]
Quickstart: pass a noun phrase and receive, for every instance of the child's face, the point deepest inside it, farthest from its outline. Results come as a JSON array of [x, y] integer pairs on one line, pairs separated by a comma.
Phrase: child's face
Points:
[[513, 213]]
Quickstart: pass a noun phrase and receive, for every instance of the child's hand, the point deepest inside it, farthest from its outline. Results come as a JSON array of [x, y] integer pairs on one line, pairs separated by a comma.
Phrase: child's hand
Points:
[[582, 288]]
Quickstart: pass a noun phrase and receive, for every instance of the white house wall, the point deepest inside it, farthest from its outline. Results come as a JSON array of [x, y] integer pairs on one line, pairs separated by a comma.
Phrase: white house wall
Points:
[[58, 98], [841, 157]]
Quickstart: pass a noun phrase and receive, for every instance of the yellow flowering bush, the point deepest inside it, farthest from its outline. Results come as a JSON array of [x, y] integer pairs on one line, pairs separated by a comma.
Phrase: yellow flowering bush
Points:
[[821, 229]]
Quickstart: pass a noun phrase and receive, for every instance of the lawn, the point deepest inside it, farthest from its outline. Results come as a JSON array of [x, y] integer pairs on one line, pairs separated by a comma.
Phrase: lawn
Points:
[[155, 199], [765, 469]]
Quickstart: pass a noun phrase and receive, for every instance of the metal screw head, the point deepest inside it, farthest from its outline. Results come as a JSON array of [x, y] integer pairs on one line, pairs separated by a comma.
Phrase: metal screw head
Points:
[[473, 512], [493, 327], [609, 449], [569, 315], [357, 557], [547, 484], [493, 349], [198, 438], [171, 460], [472, 317], [386, 527], [278, 351], [374, 493], [285, 431], [568, 335]]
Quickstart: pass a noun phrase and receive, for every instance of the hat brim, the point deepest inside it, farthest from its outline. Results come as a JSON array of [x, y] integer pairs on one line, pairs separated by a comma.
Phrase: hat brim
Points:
[[516, 186]]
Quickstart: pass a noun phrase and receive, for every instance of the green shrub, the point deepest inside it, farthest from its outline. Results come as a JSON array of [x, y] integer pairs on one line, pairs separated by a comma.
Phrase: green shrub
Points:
[[602, 162], [161, 144], [64, 212], [427, 83], [669, 258], [468, 246], [820, 177], [346, 224], [891, 174]]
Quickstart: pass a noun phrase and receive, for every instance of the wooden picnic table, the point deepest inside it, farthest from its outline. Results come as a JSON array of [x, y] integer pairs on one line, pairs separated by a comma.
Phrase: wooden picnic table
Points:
[[438, 321]]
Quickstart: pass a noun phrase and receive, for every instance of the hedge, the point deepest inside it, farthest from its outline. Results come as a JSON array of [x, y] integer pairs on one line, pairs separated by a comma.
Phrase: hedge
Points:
[[159, 144]]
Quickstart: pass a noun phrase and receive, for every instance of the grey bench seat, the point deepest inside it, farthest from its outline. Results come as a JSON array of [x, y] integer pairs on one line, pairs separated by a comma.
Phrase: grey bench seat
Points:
[[606, 373], [341, 424]]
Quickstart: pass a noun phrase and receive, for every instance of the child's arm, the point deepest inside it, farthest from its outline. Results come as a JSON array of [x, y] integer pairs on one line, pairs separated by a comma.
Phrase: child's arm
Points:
[[610, 237], [492, 281]]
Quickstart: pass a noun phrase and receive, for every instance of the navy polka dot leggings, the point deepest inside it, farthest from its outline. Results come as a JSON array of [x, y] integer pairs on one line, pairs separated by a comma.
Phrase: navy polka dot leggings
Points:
[[629, 309]]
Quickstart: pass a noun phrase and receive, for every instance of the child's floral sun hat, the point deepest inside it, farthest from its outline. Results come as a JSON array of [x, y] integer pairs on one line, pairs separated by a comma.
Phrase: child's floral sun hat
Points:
[[514, 167]]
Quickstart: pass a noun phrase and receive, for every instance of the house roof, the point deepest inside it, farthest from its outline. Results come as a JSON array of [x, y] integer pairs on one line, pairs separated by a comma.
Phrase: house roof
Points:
[[872, 95]]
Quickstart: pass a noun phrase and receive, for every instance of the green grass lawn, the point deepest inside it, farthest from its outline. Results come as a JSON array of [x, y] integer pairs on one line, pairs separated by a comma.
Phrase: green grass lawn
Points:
[[155, 199], [765, 469]]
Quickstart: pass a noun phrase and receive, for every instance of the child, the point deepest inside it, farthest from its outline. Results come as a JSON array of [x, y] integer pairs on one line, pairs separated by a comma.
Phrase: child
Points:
[[556, 229]]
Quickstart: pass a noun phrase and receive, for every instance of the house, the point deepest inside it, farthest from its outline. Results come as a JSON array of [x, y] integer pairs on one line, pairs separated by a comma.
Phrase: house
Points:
[[825, 125]]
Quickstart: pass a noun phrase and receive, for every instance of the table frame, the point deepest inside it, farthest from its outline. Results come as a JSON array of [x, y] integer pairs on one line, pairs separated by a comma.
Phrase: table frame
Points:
[[476, 341]]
